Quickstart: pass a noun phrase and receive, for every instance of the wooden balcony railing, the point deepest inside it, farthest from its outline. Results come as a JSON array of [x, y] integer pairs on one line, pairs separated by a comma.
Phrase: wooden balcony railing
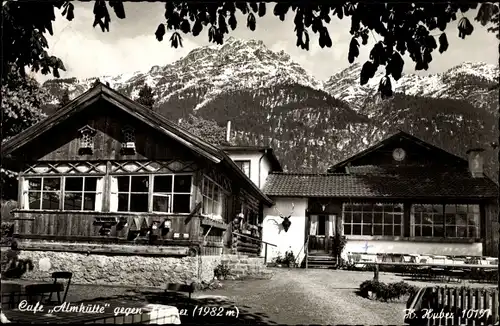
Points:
[[85, 226]]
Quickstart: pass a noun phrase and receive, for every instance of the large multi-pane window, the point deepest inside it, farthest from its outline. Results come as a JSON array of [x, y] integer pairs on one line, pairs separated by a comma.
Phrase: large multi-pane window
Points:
[[78, 193], [214, 199], [151, 193], [373, 219], [128, 193], [450, 220]]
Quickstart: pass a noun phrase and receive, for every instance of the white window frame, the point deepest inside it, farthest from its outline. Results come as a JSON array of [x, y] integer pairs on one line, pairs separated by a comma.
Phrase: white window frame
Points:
[[222, 198], [62, 181], [238, 162], [372, 222], [150, 192], [97, 192], [470, 212]]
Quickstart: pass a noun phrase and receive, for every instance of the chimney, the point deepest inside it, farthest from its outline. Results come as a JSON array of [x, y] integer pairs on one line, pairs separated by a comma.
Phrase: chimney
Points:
[[476, 162], [228, 132]]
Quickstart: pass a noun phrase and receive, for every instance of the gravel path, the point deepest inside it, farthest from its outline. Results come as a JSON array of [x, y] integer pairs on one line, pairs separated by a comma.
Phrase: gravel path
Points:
[[291, 296], [313, 296], [316, 296]]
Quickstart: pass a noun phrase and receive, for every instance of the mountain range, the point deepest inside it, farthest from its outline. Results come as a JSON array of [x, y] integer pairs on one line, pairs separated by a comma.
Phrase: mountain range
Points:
[[311, 124]]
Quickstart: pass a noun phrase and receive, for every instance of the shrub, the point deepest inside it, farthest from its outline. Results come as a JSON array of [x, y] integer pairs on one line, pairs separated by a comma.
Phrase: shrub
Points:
[[386, 292], [288, 260], [7, 230], [222, 271], [338, 246]]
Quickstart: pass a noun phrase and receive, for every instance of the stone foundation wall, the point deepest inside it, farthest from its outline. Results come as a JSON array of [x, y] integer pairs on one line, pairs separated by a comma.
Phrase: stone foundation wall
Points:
[[119, 270], [242, 266], [135, 270]]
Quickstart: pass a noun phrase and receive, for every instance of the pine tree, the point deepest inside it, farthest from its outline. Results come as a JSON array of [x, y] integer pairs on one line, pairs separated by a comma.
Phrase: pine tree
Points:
[[64, 99], [146, 96]]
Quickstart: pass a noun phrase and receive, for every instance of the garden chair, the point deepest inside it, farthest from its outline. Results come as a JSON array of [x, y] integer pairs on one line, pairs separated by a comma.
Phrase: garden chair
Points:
[[36, 292], [61, 275], [422, 272]]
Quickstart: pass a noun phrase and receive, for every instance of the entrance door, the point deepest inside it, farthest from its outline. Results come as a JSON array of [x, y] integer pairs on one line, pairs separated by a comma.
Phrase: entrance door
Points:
[[321, 231]]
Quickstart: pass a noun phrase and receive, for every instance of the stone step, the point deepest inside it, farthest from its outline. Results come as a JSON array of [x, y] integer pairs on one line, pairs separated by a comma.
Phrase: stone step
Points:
[[320, 266], [321, 258]]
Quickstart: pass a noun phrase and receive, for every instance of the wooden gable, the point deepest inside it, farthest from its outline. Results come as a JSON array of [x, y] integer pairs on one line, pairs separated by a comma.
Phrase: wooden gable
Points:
[[109, 124], [409, 150], [101, 114]]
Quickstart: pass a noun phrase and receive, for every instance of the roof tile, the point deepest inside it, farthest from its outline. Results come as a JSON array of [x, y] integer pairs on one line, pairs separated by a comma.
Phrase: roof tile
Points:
[[380, 182]]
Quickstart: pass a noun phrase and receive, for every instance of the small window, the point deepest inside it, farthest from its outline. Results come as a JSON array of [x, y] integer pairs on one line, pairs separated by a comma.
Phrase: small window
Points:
[[128, 142], [87, 134], [244, 166]]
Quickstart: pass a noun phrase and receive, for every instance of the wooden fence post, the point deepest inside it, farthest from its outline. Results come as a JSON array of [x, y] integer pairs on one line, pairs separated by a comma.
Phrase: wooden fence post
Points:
[[265, 253], [375, 274]]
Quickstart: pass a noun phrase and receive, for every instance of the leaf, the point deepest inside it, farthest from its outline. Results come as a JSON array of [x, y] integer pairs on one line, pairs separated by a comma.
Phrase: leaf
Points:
[[254, 6], [118, 8], [364, 38], [427, 59], [324, 38], [385, 87], [353, 50], [430, 42], [367, 71], [486, 12], [211, 34], [160, 32], [242, 6], [443, 43], [71, 14], [262, 9], [222, 24], [378, 54], [173, 40], [251, 21], [60, 65], [306, 41], [185, 26], [464, 27], [280, 9], [232, 22], [395, 66], [197, 27]]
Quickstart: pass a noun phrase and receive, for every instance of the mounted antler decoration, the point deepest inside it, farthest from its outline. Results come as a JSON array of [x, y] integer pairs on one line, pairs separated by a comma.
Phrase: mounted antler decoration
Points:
[[286, 219]]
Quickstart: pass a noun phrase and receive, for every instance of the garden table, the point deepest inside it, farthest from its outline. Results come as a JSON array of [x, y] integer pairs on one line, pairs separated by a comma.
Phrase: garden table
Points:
[[115, 311], [430, 265]]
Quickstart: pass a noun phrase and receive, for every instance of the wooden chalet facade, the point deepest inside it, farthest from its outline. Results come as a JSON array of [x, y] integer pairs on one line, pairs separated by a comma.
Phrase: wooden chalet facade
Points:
[[106, 169]]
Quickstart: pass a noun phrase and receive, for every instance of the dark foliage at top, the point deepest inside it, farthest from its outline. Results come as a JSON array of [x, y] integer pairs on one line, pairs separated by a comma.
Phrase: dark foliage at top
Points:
[[403, 27]]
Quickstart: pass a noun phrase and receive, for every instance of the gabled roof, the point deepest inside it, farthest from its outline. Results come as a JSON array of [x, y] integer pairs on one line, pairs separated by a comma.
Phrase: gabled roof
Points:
[[387, 141], [268, 151], [142, 113], [383, 182]]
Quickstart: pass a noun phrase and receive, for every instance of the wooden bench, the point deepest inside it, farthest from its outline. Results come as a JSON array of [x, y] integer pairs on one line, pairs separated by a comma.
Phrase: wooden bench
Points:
[[176, 287]]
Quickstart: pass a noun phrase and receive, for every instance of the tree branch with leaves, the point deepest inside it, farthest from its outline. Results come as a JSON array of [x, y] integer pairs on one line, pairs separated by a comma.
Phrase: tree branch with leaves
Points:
[[402, 27]]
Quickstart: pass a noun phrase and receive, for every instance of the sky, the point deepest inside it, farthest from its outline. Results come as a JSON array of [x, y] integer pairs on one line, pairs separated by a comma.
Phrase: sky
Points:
[[131, 46]]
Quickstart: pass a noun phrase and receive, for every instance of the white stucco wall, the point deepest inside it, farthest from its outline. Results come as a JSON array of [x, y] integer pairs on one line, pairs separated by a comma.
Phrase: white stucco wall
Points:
[[273, 231], [410, 247], [254, 158], [265, 168]]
